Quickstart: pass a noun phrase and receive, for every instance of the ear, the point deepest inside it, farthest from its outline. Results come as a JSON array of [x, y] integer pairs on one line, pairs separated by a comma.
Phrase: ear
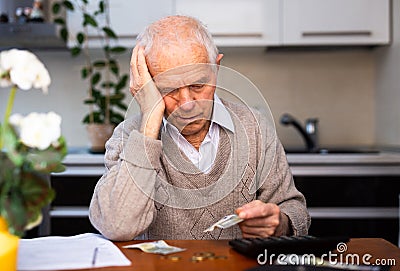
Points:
[[219, 57]]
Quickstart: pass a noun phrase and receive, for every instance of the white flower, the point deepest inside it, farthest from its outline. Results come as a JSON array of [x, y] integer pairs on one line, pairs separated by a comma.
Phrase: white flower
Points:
[[24, 69], [37, 130]]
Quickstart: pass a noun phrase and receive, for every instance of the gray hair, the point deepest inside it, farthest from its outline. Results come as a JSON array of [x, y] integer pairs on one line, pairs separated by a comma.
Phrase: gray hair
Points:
[[171, 27]]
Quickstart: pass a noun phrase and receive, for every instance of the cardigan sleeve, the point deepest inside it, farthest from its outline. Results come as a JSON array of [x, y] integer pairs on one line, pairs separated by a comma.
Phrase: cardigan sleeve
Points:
[[122, 206], [277, 184]]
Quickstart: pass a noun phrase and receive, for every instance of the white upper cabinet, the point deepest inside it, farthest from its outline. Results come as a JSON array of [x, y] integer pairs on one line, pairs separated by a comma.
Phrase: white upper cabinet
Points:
[[336, 22], [127, 17], [236, 22], [130, 17], [257, 22]]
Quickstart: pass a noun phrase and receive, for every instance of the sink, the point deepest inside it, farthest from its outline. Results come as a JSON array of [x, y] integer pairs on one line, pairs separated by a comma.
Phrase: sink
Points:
[[334, 151]]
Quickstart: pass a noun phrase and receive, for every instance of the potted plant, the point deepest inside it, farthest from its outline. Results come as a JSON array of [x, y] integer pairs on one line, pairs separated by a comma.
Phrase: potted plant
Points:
[[31, 147], [105, 80]]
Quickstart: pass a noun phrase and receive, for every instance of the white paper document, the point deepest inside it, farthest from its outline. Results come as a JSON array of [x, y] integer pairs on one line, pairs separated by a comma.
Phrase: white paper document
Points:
[[76, 252]]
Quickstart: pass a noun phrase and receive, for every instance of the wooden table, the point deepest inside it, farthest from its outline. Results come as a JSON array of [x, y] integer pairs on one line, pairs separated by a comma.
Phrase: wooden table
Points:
[[376, 247]]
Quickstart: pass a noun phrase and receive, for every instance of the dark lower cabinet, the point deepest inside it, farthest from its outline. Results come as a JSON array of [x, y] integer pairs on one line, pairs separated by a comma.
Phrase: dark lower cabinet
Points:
[[73, 195], [67, 226], [333, 194], [358, 228], [345, 195]]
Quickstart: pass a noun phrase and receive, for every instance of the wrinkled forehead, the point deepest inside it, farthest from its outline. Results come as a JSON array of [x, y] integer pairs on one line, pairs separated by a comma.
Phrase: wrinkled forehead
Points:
[[199, 73]]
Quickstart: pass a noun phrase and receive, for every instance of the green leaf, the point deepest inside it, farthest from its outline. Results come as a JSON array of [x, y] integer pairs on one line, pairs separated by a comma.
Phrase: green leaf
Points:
[[99, 64], [64, 34], [60, 21], [36, 193], [15, 212], [109, 32], [84, 72], [117, 97], [80, 37], [107, 84], [114, 70], [96, 78], [11, 144], [122, 106], [101, 6], [118, 49], [88, 19], [56, 8], [96, 94], [75, 51], [85, 1], [89, 101], [98, 117], [68, 5], [122, 83], [116, 118], [113, 66]]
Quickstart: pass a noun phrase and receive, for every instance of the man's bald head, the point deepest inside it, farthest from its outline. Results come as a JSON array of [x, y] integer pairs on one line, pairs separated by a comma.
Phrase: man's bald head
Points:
[[178, 37]]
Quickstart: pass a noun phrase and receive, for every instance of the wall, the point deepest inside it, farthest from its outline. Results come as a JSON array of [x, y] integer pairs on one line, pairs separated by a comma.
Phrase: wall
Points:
[[337, 86], [388, 86]]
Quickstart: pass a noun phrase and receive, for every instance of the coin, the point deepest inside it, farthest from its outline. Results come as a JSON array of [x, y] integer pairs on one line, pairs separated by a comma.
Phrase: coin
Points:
[[201, 254], [174, 258], [223, 257], [198, 258], [209, 254]]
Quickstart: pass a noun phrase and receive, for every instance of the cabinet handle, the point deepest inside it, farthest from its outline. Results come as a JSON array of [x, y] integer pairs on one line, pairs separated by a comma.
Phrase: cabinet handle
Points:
[[237, 35], [217, 35], [94, 37], [336, 33]]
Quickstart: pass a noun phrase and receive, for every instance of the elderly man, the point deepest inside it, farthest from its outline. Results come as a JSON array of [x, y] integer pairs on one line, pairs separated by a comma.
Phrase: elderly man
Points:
[[190, 158]]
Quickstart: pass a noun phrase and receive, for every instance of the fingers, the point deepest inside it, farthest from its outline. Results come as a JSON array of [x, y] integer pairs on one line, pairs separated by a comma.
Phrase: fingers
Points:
[[140, 74], [260, 219], [142, 66], [257, 208], [261, 227], [257, 231], [134, 84]]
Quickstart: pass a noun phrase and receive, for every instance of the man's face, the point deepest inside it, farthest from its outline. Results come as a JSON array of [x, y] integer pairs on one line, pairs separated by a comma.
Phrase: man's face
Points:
[[187, 86]]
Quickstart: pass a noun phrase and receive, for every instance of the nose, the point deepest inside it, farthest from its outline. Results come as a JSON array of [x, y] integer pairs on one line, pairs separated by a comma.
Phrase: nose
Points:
[[186, 102]]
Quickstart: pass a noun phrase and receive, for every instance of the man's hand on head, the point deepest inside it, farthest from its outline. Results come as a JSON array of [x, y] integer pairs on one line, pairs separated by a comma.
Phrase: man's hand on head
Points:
[[146, 94], [263, 220]]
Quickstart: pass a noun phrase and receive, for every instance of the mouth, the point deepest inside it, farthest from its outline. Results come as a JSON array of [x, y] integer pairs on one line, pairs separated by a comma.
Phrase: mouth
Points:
[[188, 118]]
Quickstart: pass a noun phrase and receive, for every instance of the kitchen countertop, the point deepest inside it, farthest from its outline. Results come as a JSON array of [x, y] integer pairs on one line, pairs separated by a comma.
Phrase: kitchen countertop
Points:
[[80, 162]]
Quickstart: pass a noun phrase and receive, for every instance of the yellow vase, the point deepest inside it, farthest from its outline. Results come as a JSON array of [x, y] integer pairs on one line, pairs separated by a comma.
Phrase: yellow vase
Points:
[[8, 248]]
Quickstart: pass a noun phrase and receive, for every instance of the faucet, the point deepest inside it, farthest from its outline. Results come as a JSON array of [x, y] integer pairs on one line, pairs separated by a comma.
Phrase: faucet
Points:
[[309, 133]]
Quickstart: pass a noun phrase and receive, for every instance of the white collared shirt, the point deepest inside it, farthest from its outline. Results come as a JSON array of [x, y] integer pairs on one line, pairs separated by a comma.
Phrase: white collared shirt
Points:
[[204, 158]]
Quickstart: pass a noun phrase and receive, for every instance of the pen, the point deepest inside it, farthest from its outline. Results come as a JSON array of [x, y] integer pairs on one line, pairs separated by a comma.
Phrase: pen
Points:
[[94, 256]]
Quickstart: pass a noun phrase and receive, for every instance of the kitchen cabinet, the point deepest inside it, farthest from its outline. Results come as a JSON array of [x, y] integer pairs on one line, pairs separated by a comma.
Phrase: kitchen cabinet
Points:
[[232, 22], [350, 194], [236, 22], [355, 206], [129, 18], [355, 195], [336, 22]]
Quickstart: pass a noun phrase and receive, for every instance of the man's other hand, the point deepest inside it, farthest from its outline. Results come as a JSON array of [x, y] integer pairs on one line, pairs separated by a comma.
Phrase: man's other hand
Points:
[[262, 220]]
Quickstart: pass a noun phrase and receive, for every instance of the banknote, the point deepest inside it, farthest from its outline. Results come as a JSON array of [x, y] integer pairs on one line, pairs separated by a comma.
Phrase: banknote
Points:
[[225, 222], [157, 247]]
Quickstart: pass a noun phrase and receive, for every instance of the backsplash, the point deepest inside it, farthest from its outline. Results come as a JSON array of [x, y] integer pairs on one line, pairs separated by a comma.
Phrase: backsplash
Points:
[[338, 87]]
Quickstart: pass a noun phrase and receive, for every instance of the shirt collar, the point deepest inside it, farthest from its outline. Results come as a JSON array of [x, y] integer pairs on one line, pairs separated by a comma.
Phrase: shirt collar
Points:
[[220, 115]]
